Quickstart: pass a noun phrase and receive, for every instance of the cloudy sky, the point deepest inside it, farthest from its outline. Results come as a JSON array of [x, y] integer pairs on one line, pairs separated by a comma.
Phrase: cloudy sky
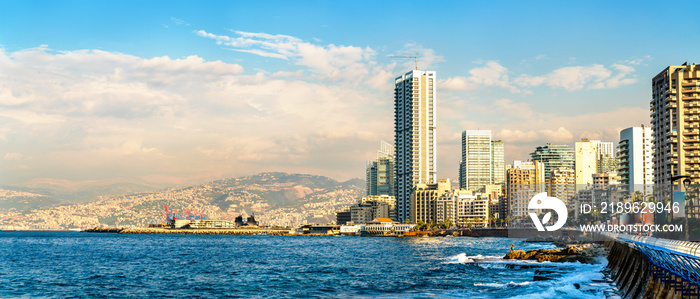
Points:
[[178, 92]]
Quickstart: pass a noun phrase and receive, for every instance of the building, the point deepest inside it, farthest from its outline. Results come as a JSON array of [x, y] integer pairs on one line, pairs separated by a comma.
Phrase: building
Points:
[[605, 180], [343, 217], [483, 160], [553, 156], [498, 163], [472, 208], [675, 107], [605, 148], [414, 136], [381, 173], [476, 159], [607, 163], [523, 181], [389, 200], [634, 158], [363, 212], [586, 163], [424, 198], [444, 209], [562, 184]]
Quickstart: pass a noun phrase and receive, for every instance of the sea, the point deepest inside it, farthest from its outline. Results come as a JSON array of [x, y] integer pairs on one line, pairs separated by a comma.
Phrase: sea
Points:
[[106, 265]]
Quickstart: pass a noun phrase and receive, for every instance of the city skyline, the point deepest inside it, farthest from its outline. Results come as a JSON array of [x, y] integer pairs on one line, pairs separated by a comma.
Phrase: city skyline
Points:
[[174, 93]]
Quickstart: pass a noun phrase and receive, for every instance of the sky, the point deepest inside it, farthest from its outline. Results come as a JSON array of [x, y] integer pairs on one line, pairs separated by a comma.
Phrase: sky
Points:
[[180, 92]]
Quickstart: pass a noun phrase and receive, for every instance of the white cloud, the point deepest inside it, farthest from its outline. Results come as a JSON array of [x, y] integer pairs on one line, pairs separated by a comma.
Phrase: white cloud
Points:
[[575, 78]]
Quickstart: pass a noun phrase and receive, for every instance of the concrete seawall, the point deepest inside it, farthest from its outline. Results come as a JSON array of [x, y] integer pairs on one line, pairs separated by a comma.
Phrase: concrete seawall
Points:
[[635, 278]]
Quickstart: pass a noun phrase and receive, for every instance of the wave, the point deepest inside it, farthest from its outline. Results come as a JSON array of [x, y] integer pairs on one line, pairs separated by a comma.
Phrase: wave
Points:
[[462, 258]]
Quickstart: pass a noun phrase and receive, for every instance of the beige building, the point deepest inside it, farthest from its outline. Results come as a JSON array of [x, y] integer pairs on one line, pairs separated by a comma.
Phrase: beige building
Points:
[[424, 198], [605, 180], [562, 184], [389, 200], [523, 181], [585, 163], [414, 137], [675, 107]]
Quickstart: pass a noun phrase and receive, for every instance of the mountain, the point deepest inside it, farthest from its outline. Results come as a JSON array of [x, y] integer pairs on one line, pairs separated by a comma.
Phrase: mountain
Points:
[[275, 198], [85, 191]]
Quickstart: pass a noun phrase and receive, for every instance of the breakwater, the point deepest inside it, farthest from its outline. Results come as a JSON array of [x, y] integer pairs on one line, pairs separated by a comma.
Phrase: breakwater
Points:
[[214, 231], [640, 275]]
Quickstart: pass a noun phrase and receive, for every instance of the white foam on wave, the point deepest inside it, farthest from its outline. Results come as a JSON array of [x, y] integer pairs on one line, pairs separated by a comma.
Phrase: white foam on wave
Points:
[[501, 285], [463, 258]]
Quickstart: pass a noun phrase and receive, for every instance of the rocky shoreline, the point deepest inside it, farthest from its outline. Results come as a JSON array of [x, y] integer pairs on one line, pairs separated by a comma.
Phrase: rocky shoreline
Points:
[[583, 253]]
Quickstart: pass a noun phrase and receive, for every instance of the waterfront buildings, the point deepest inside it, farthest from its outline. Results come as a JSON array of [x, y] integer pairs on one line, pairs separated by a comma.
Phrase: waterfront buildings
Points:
[[524, 179], [482, 160], [586, 162], [381, 173], [634, 156], [424, 200], [472, 208], [414, 137], [553, 156], [389, 200], [675, 107]]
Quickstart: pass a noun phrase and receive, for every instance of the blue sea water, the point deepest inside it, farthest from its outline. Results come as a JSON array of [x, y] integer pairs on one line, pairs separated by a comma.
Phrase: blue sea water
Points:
[[88, 265]]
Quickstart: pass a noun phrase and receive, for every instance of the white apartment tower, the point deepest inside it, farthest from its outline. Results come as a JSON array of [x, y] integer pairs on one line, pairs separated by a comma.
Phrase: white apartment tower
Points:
[[414, 136], [634, 154], [675, 106]]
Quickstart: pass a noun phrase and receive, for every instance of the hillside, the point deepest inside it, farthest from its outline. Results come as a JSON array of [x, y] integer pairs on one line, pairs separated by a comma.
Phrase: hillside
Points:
[[275, 198]]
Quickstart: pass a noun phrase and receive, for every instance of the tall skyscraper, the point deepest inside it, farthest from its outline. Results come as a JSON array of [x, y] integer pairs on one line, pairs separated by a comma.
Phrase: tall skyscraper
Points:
[[586, 163], [498, 163], [553, 156], [674, 121], [476, 159], [483, 160], [381, 173], [414, 136], [634, 155]]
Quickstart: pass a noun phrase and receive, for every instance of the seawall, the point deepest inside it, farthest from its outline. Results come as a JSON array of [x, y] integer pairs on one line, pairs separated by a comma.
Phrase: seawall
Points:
[[636, 277], [217, 231]]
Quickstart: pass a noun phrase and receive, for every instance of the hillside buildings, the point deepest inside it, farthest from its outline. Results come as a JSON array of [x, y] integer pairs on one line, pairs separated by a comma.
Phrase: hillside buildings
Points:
[[414, 136]]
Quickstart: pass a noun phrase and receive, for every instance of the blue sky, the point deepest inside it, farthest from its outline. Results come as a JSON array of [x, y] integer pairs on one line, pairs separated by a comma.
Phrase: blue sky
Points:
[[185, 91]]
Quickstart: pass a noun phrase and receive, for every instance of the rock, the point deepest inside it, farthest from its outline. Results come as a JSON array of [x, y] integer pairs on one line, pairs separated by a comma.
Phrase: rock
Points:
[[572, 253], [515, 255]]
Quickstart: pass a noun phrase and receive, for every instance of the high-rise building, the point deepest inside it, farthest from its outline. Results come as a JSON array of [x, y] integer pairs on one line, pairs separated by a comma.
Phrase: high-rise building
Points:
[[634, 156], [675, 107], [553, 156], [605, 148], [414, 136], [483, 160], [562, 184], [498, 163], [381, 173], [586, 163], [476, 159], [523, 181], [607, 164]]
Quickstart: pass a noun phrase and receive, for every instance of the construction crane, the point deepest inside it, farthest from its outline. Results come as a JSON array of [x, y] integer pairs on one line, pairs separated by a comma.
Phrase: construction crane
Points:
[[415, 58]]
